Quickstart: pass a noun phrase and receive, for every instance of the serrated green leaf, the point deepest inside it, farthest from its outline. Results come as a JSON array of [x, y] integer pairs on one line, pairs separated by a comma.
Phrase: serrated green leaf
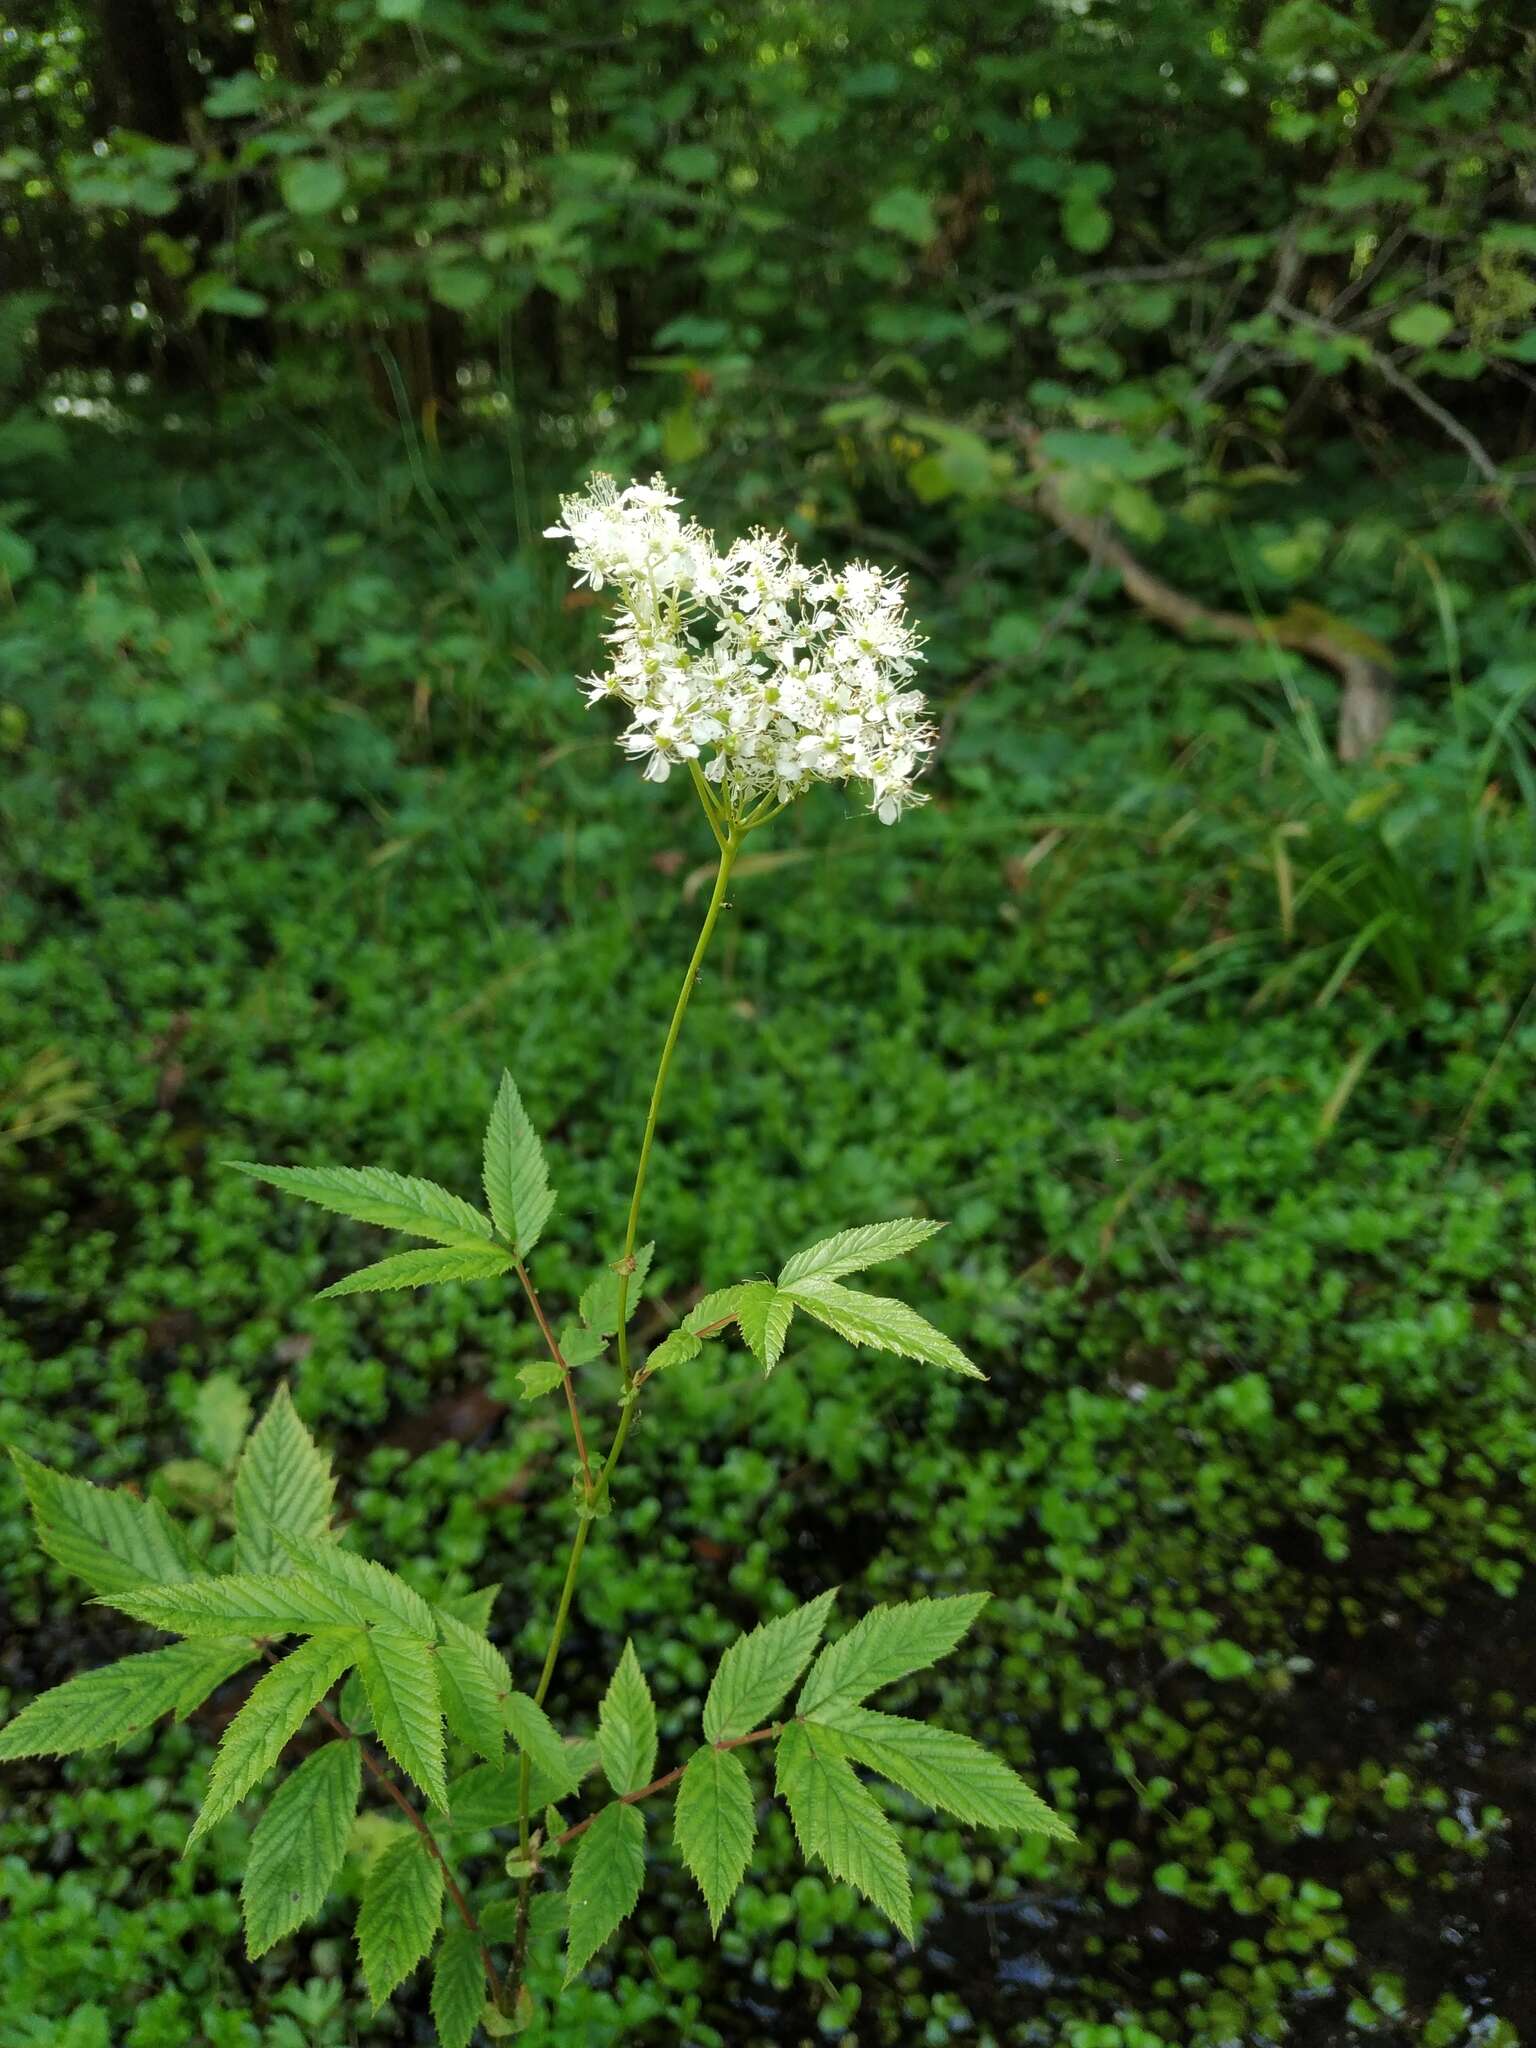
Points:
[[282, 1482], [837, 1820], [599, 1304], [487, 1795], [241, 1603], [540, 1378], [399, 1674], [353, 1706], [560, 1763], [850, 1251], [707, 1318], [109, 1538], [626, 1727], [400, 1914], [889, 1643], [715, 1824], [105, 1707], [606, 1874], [421, 1269], [458, 1987], [947, 1771], [475, 1683], [278, 1707], [372, 1194], [581, 1346], [764, 1316], [473, 1609], [758, 1669], [875, 1322], [299, 1845], [676, 1348], [516, 1177], [362, 1590], [717, 1307], [221, 1415]]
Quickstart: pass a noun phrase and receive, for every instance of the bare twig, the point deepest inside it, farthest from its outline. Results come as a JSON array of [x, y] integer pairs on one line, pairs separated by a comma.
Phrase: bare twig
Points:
[[1448, 423]]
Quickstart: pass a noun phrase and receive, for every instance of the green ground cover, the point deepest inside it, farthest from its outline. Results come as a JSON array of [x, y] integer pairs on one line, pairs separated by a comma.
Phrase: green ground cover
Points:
[[307, 835]]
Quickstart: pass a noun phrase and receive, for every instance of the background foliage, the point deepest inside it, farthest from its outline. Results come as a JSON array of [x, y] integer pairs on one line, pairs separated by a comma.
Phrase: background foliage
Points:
[[1217, 1049]]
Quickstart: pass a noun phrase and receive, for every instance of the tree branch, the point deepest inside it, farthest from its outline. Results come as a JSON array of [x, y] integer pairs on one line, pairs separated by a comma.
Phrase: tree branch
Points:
[[1362, 665]]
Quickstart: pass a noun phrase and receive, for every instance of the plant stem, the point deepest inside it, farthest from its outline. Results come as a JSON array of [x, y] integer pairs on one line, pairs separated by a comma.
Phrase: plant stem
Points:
[[668, 1778], [730, 845], [729, 835], [376, 1770], [565, 1372]]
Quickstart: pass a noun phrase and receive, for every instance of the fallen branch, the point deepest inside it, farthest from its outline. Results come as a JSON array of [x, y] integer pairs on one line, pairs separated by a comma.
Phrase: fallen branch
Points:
[[1362, 665]]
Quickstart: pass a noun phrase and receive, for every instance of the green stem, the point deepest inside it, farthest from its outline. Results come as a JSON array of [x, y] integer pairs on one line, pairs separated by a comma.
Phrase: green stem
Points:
[[730, 839], [730, 846]]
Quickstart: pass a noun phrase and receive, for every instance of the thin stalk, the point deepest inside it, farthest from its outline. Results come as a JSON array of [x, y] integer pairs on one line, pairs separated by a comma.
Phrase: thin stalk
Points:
[[729, 839], [730, 846], [376, 1770], [565, 1373], [712, 811], [667, 1779]]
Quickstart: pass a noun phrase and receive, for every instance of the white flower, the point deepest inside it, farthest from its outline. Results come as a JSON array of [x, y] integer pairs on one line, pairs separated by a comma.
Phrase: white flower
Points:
[[787, 675]]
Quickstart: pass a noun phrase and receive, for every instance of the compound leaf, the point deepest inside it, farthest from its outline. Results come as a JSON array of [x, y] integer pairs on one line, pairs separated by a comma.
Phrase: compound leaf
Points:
[[282, 1482], [400, 1914], [606, 1874], [278, 1707], [626, 1727], [299, 1844], [107, 1706], [372, 1194], [850, 1251], [889, 1643], [758, 1669], [715, 1824], [838, 1820], [516, 1177]]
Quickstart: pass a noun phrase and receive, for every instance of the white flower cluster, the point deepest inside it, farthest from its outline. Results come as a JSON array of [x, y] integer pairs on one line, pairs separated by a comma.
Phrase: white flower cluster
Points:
[[770, 674]]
